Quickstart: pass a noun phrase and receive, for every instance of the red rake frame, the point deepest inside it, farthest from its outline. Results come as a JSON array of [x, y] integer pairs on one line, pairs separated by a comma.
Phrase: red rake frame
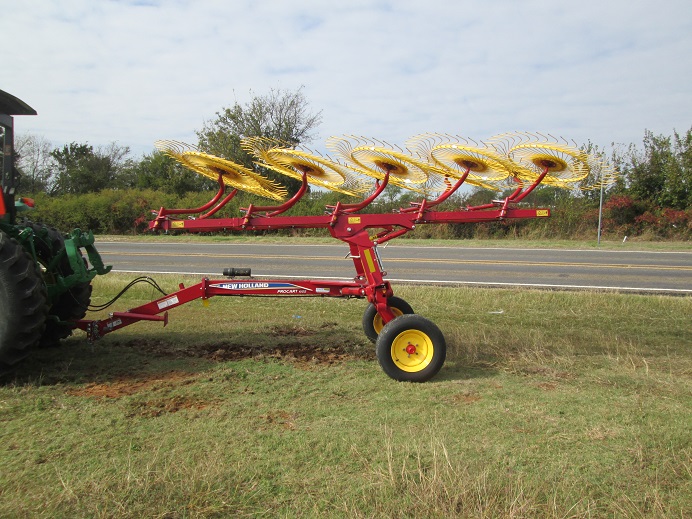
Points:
[[420, 337]]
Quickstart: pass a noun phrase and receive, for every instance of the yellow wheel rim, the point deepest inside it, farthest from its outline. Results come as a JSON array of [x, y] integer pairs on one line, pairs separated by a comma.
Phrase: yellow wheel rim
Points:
[[378, 323], [412, 350]]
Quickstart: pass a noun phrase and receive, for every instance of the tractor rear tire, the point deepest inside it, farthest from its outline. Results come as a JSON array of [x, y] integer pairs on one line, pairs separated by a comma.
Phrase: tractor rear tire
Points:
[[70, 305], [23, 306]]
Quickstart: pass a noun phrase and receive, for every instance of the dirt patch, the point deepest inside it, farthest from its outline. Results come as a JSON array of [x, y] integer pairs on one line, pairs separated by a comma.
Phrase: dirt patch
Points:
[[296, 352], [547, 386], [281, 419], [155, 382], [156, 348], [463, 398], [159, 406], [290, 348], [299, 352], [290, 331], [546, 371], [130, 386]]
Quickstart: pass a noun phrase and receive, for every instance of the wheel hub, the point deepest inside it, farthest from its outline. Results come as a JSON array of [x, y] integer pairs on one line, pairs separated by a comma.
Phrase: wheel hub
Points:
[[410, 349]]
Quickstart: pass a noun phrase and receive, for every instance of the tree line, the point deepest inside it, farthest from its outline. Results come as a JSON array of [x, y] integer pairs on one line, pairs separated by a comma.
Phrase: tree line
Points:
[[109, 191], [80, 168]]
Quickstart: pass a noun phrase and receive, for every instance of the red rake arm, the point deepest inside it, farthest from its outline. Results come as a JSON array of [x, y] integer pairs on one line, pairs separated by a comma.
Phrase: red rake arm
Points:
[[343, 222]]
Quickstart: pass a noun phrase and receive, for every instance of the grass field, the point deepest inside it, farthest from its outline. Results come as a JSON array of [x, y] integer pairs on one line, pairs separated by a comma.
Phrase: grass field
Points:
[[551, 404]]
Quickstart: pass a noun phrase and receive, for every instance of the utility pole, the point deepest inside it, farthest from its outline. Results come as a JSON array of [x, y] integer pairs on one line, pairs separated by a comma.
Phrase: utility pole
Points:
[[600, 211]]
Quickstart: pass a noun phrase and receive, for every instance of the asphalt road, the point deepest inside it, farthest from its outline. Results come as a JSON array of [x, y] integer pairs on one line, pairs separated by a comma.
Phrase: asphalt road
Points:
[[637, 271]]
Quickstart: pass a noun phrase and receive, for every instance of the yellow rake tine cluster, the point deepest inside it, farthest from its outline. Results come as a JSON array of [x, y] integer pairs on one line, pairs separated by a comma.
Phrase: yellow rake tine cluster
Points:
[[432, 163], [320, 171], [211, 166], [455, 154], [534, 152], [606, 174], [376, 158]]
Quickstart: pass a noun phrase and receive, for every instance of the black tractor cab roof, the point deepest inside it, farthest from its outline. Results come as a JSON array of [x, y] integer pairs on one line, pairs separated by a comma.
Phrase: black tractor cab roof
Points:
[[10, 105]]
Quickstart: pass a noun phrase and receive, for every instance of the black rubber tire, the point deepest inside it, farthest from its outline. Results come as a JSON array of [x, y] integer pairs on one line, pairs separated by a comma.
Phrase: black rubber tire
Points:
[[23, 307], [73, 304], [430, 349], [372, 322]]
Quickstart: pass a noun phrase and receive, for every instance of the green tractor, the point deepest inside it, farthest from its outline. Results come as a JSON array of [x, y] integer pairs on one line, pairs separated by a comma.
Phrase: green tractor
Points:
[[45, 278]]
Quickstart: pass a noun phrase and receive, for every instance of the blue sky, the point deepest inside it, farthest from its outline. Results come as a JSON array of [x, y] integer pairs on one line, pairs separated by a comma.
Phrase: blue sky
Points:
[[132, 72]]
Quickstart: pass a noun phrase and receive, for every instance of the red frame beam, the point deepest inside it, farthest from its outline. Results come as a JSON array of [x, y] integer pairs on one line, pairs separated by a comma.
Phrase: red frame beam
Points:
[[342, 221]]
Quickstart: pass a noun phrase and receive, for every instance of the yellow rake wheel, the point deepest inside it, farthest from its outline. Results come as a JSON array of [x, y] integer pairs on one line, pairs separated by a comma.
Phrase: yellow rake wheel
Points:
[[210, 166], [372, 321], [233, 175], [411, 348], [319, 170], [483, 164], [377, 161], [369, 158], [313, 166], [534, 154], [277, 156], [452, 156], [565, 164]]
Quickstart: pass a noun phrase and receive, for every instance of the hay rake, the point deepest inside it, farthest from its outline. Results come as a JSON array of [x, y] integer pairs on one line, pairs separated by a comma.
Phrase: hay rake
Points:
[[409, 347]]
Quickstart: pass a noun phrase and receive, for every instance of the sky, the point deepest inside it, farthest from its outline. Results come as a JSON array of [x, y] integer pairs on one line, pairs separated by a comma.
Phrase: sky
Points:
[[135, 71]]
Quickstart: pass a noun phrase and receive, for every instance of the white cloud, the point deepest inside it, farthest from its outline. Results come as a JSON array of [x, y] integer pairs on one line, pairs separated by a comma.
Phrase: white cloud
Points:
[[137, 71]]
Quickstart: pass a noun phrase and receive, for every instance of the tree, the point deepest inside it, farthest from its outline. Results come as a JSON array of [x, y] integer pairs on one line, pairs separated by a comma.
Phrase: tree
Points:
[[160, 172], [478, 196], [585, 188], [80, 169], [678, 192], [662, 173], [34, 162], [281, 114]]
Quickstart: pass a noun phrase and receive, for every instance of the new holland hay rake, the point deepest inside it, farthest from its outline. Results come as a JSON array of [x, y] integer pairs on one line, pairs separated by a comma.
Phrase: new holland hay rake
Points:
[[408, 346]]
